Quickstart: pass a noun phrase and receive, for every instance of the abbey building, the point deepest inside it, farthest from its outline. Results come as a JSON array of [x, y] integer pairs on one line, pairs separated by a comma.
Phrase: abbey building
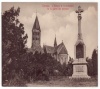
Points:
[[59, 52]]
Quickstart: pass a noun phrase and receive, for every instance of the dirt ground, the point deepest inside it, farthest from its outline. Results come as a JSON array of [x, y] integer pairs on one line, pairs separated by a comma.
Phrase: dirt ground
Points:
[[65, 82]]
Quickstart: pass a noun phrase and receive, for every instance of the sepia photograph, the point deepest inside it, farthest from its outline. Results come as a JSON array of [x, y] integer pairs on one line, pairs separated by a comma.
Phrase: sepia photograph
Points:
[[49, 44]]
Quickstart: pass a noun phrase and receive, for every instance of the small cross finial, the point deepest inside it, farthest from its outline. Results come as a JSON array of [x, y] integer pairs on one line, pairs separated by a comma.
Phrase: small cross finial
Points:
[[79, 7], [79, 10]]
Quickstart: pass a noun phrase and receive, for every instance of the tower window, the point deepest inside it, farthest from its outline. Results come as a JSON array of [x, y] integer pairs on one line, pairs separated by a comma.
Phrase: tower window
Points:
[[35, 33]]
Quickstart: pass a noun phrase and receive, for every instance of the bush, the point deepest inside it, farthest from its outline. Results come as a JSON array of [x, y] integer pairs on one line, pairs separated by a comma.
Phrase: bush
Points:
[[16, 81]]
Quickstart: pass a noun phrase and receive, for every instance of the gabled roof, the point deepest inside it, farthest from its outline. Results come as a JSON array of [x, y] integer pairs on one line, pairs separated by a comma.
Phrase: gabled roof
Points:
[[49, 49], [33, 50], [36, 24], [61, 49]]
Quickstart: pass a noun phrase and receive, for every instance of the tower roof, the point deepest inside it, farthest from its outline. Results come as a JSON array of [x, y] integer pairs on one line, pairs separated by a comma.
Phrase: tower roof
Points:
[[36, 24], [49, 49], [55, 42]]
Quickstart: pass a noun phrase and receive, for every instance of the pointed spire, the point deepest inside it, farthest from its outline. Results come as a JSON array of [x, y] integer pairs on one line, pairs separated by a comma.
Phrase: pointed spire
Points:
[[55, 42], [36, 23], [62, 42]]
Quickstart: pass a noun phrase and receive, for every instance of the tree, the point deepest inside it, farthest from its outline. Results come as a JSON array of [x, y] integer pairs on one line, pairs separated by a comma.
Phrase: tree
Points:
[[13, 41], [89, 66], [95, 62], [70, 67]]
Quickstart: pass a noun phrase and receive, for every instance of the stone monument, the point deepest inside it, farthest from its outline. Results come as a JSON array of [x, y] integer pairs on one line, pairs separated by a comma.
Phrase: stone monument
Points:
[[80, 64]]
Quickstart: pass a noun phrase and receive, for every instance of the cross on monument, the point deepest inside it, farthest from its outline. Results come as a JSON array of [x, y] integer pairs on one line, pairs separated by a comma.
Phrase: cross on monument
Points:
[[79, 11]]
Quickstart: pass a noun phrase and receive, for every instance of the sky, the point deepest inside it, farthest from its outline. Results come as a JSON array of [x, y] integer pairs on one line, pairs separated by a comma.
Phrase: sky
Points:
[[60, 20]]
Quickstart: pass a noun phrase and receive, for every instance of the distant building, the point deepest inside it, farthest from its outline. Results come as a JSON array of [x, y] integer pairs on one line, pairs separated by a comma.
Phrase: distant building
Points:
[[59, 52]]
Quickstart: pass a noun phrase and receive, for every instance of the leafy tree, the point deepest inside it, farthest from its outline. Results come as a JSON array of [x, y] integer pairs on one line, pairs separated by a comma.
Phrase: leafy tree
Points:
[[13, 41]]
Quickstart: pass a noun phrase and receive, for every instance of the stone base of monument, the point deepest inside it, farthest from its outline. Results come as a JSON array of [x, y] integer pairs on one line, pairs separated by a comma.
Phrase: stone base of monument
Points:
[[80, 76], [80, 69]]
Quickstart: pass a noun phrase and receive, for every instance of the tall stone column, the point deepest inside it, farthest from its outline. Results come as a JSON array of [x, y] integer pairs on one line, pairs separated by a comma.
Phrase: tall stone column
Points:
[[80, 64], [79, 11]]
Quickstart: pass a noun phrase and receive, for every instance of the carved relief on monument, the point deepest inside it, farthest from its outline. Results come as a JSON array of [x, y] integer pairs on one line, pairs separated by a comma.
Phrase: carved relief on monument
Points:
[[80, 51]]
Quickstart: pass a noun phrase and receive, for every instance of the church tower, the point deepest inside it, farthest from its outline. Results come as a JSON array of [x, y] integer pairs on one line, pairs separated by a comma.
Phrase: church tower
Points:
[[36, 35]]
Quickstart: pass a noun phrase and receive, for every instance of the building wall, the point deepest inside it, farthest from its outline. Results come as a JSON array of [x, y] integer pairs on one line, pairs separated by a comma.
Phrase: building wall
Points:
[[63, 58]]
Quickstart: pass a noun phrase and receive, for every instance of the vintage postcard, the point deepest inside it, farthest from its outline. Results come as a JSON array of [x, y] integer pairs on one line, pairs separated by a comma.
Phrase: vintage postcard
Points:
[[50, 44]]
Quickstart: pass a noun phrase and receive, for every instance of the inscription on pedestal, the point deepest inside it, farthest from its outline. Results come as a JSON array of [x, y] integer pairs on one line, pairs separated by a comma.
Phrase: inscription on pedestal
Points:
[[79, 68]]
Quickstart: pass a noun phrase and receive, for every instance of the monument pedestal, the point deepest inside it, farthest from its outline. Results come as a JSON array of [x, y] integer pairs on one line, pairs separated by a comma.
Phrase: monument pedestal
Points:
[[80, 69], [80, 64]]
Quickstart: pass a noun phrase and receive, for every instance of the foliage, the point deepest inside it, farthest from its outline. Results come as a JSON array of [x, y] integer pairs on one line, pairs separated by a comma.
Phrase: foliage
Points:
[[13, 42], [70, 67], [16, 81], [39, 66], [18, 64], [89, 66], [95, 62]]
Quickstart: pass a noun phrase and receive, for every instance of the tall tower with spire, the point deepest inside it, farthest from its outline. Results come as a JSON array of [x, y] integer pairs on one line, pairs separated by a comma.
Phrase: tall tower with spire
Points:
[[36, 34]]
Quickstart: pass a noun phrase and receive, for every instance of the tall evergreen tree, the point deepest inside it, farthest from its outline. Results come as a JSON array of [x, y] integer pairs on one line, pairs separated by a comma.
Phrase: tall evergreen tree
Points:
[[95, 62]]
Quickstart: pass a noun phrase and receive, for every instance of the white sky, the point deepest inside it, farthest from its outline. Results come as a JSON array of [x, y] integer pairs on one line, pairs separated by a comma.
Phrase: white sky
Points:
[[63, 23]]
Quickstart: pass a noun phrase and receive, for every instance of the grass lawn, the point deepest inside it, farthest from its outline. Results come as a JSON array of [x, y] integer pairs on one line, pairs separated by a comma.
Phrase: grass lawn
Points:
[[65, 82]]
